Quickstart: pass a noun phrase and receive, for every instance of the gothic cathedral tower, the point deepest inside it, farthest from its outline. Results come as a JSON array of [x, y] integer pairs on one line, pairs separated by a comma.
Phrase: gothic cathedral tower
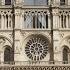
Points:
[[41, 33]]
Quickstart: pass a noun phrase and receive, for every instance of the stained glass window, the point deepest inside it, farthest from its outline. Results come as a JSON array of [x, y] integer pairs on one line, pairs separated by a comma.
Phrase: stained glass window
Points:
[[36, 48]]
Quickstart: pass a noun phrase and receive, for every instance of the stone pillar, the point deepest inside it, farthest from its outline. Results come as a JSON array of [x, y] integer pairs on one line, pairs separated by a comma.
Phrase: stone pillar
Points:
[[43, 21], [54, 21], [35, 20], [57, 21], [63, 21], [39, 20], [32, 21], [23, 20], [57, 2], [2, 57], [8, 21], [19, 2], [17, 19], [49, 24], [11, 21], [68, 2], [5, 21], [69, 57], [67, 21], [3, 2], [60, 24], [2, 21]]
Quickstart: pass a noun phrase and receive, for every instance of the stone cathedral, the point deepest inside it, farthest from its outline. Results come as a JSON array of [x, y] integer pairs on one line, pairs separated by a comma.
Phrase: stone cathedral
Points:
[[32, 40]]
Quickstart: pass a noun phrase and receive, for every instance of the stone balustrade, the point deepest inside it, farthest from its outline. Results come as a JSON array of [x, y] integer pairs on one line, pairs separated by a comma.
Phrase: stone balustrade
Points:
[[35, 63], [49, 67]]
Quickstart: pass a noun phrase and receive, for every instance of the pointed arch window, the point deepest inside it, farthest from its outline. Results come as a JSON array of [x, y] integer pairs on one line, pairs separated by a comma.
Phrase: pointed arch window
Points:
[[7, 2], [63, 21], [8, 55], [65, 55]]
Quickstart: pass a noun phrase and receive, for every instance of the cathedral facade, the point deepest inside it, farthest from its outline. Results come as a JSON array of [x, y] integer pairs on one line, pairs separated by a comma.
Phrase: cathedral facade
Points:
[[32, 40]]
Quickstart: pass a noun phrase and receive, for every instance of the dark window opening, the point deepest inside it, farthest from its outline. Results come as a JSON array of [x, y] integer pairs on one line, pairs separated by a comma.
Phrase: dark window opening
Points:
[[34, 21], [7, 20], [8, 55], [65, 55], [0, 21], [63, 21], [46, 21], [7, 2], [47, 2], [62, 2]]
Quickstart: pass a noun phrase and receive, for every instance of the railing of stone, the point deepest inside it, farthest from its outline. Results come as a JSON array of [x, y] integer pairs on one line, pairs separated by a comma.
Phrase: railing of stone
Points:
[[49, 67], [35, 63]]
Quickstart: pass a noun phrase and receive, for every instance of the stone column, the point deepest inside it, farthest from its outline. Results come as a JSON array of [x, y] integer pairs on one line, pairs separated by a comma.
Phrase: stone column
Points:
[[2, 57], [11, 21], [2, 21], [63, 21], [49, 24], [67, 21], [68, 2], [54, 21], [19, 2], [23, 20], [60, 24], [8, 21], [32, 21], [69, 57], [3, 2], [5, 21], [17, 20], [39, 20], [58, 21], [44, 21], [35, 20]]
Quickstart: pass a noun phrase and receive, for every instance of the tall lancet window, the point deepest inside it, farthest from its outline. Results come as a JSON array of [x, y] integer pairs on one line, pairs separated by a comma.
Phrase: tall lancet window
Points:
[[62, 2], [65, 55], [63, 21], [0, 21], [7, 2], [8, 55]]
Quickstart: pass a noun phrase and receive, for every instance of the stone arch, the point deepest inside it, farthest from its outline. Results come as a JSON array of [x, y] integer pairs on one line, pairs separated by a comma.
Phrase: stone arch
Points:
[[8, 54], [1, 36], [4, 42], [36, 40], [30, 35], [65, 41], [65, 53]]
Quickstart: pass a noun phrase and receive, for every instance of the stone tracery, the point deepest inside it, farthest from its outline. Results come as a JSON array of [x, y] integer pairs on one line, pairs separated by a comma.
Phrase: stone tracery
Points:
[[37, 48]]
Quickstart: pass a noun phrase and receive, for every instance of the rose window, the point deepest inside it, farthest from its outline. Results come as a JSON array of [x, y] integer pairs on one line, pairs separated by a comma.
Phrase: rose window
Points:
[[36, 48]]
